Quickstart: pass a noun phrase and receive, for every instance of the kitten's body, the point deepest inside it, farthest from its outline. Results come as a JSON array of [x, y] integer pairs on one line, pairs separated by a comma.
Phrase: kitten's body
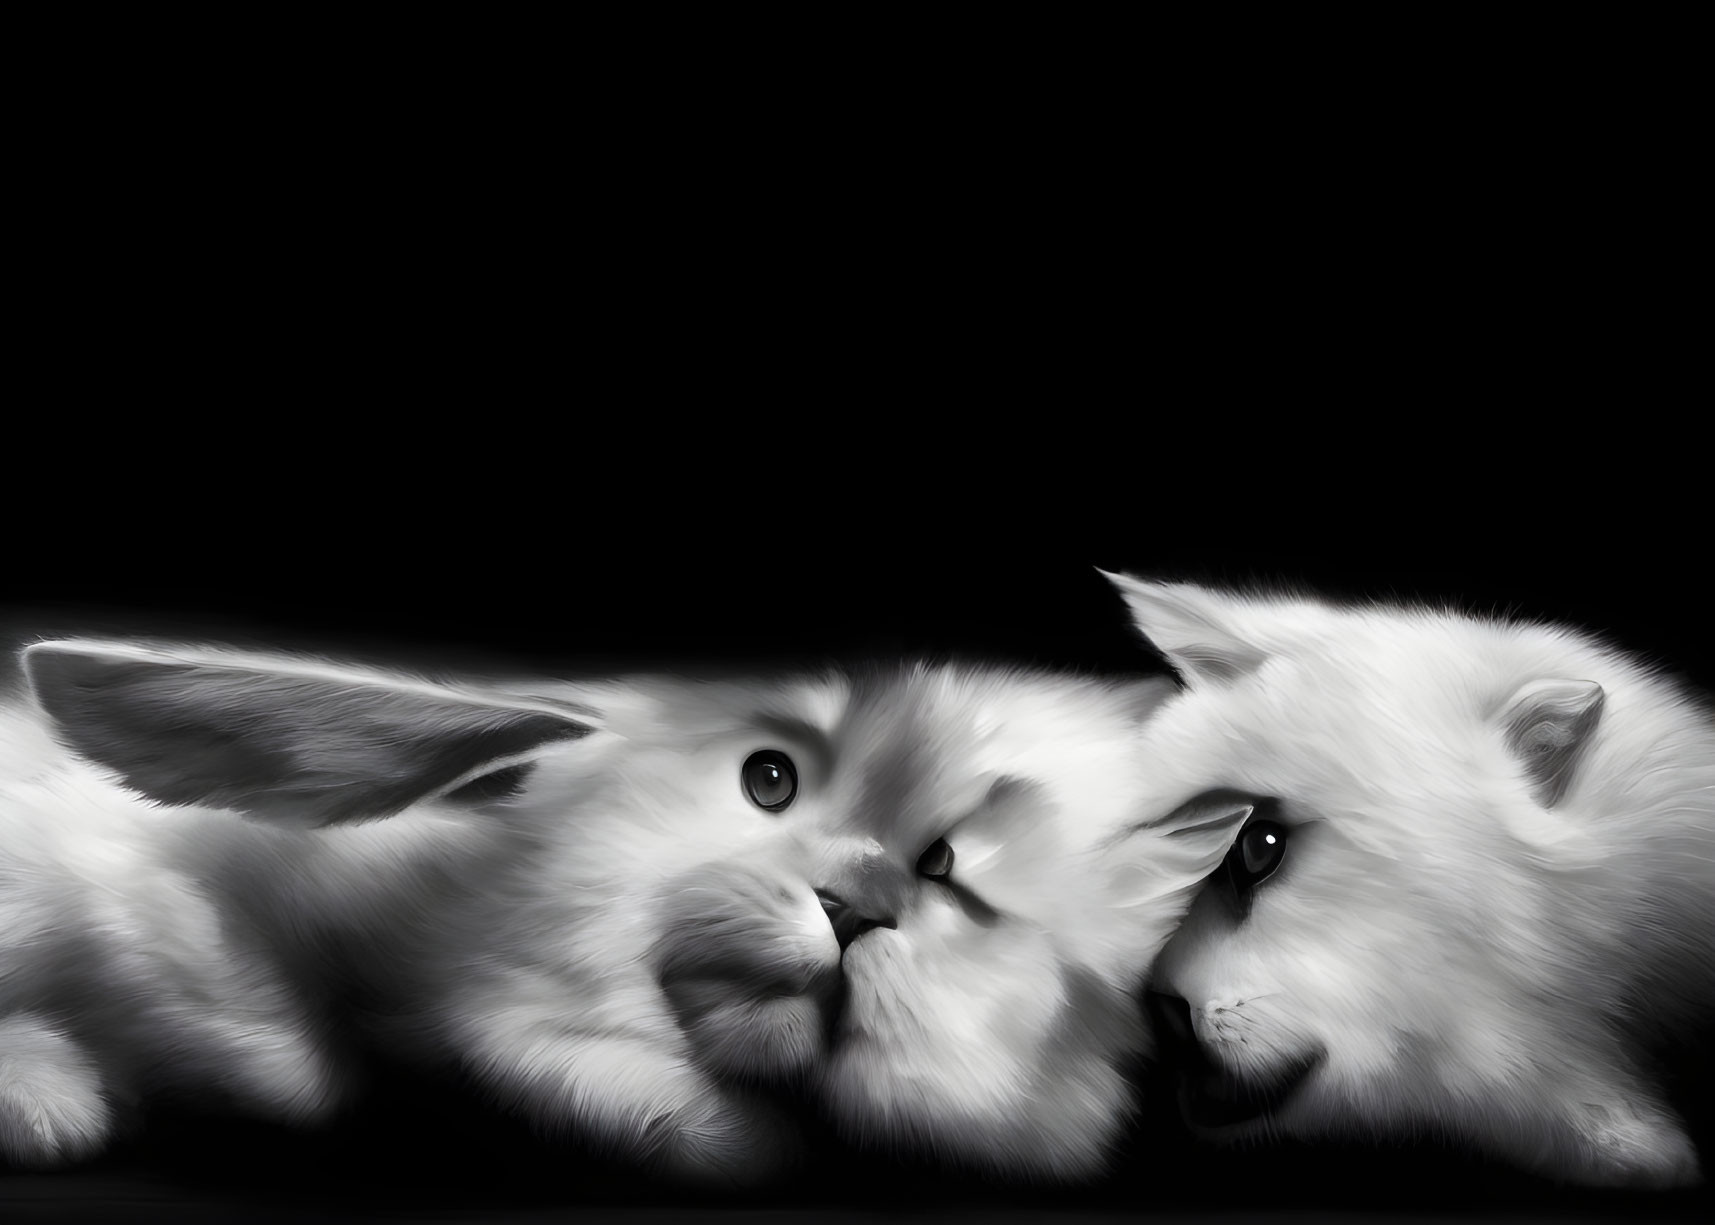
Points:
[[614, 938], [1497, 890], [187, 951]]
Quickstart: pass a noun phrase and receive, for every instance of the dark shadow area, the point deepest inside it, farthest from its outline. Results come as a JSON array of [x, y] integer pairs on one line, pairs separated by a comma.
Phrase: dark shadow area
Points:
[[420, 1148]]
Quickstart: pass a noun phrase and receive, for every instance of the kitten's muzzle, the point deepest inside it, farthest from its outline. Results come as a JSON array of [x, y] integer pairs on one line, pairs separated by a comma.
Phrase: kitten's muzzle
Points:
[[1211, 1095], [847, 920]]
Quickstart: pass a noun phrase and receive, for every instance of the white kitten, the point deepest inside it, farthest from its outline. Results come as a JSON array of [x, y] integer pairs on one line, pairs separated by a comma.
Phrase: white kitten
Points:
[[630, 909], [1479, 879]]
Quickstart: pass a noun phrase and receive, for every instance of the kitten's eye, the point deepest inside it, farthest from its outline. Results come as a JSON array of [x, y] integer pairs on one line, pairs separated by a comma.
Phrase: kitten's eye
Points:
[[1257, 853], [770, 779], [937, 861]]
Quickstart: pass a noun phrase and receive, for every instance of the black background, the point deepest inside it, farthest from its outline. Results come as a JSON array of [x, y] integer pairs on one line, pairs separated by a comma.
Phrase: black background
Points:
[[520, 375]]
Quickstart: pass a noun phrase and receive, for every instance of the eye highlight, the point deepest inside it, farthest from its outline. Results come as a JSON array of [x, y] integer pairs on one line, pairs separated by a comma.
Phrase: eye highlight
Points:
[[769, 779], [1258, 852], [937, 861]]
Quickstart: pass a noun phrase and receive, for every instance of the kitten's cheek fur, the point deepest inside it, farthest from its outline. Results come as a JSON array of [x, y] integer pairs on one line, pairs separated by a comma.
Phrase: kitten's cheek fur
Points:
[[934, 1060], [877, 971], [751, 969]]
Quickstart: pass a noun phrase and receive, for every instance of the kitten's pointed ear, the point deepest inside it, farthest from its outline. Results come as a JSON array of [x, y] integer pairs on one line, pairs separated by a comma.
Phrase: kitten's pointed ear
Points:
[[1547, 723], [1152, 871], [1195, 628], [285, 740]]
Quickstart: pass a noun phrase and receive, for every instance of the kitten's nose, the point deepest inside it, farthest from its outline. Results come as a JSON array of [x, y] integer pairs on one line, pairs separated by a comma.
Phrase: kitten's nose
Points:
[[1171, 1016], [847, 920]]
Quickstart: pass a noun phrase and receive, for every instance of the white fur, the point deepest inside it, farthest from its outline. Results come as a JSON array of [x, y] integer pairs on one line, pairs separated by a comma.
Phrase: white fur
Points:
[[627, 948], [122, 971], [1461, 956]]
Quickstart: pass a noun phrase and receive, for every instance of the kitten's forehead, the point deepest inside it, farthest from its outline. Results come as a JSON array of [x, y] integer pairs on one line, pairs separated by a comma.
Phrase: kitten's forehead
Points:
[[934, 744], [891, 735], [1392, 712], [818, 703], [891, 745], [880, 705]]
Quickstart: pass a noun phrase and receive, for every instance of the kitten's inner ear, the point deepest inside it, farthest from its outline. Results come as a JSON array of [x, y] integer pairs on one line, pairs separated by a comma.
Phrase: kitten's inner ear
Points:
[[1146, 696], [1547, 723], [1196, 629], [282, 740]]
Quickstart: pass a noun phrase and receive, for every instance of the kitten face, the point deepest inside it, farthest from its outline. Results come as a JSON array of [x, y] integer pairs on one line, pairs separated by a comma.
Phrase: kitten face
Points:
[[1465, 875], [940, 931]]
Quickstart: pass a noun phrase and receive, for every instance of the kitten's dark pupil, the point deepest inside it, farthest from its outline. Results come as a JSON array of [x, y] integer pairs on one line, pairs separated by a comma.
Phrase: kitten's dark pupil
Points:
[[770, 781], [937, 860], [1261, 849]]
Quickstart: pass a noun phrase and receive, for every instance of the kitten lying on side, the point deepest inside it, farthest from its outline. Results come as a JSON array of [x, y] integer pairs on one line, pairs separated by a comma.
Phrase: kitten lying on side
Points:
[[1477, 885], [628, 908]]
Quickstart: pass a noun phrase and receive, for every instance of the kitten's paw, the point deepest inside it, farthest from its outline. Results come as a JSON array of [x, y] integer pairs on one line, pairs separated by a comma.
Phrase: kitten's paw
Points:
[[288, 1077], [728, 1141], [52, 1110], [1622, 1146], [637, 1099]]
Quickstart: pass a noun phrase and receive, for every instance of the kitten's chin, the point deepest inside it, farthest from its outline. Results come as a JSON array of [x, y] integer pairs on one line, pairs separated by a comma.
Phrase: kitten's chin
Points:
[[1218, 1104], [878, 1097]]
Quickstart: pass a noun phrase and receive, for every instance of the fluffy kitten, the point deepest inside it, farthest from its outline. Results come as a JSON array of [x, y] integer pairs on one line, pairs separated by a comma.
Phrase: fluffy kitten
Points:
[[629, 909], [1477, 884]]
